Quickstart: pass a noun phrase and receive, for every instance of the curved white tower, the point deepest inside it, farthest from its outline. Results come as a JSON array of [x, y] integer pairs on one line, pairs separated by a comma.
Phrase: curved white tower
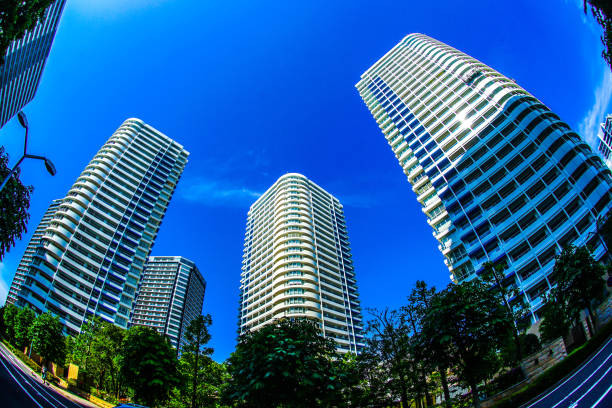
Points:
[[499, 176], [297, 262], [93, 250]]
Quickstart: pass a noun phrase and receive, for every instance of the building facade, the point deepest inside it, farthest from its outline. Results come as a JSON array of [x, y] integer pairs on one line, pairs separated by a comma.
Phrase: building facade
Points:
[[297, 263], [17, 286], [170, 295], [24, 63], [91, 256], [605, 141], [499, 176]]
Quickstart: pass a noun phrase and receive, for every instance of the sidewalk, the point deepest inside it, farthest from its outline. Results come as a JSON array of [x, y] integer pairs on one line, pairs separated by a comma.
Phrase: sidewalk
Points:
[[27, 370]]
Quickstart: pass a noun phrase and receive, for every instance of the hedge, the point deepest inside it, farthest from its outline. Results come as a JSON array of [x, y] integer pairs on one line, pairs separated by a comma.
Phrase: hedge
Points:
[[27, 360], [558, 372]]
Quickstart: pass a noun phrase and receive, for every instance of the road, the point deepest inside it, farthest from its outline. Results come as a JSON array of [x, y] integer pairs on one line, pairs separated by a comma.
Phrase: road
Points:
[[589, 387], [20, 389]]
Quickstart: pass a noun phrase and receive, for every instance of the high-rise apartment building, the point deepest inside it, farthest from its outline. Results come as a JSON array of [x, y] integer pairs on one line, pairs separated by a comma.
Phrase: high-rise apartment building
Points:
[[499, 176], [19, 279], [24, 63], [170, 295], [91, 256], [297, 263], [605, 141]]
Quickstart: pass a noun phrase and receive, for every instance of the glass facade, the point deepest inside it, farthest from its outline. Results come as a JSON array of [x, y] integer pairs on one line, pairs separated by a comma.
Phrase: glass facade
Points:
[[499, 176]]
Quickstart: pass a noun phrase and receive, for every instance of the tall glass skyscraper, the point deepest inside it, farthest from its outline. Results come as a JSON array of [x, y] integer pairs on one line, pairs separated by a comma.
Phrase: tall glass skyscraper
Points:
[[170, 295], [24, 63], [605, 141], [297, 263], [91, 255], [499, 176]]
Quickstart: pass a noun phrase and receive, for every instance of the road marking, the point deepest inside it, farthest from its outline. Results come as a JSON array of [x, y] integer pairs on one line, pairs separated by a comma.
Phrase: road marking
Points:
[[573, 375], [593, 386], [34, 383], [17, 382], [587, 379], [602, 397]]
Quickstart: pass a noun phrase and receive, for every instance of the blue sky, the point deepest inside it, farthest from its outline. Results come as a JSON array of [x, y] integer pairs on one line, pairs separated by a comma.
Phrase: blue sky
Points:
[[257, 89]]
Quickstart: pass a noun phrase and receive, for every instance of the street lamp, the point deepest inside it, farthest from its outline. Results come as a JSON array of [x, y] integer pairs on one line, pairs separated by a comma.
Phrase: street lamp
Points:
[[23, 120]]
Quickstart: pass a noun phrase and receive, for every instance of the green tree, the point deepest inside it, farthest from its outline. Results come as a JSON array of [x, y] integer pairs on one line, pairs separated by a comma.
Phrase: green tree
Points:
[[419, 302], [212, 378], [106, 346], [602, 11], [80, 351], [516, 313], [197, 336], [23, 321], [9, 315], [283, 364], [557, 318], [47, 338], [468, 322], [148, 365], [389, 345], [579, 281], [15, 202]]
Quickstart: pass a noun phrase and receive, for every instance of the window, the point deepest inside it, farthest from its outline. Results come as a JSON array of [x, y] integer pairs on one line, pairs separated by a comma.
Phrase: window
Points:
[[519, 250], [538, 237], [500, 217], [528, 220], [546, 204]]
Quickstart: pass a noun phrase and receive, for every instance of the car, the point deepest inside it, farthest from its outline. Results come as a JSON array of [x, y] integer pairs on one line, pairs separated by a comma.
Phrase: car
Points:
[[129, 405]]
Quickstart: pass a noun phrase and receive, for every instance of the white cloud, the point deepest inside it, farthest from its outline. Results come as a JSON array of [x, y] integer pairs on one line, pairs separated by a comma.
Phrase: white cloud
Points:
[[3, 285], [589, 127], [216, 193]]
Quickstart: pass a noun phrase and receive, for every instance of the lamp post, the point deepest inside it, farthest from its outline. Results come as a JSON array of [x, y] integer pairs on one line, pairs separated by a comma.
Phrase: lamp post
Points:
[[23, 120]]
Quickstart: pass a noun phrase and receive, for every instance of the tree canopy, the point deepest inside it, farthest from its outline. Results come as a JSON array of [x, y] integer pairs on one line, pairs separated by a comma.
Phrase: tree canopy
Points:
[[284, 364], [148, 365], [579, 281], [47, 338], [602, 11], [15, 202], [469, 323]]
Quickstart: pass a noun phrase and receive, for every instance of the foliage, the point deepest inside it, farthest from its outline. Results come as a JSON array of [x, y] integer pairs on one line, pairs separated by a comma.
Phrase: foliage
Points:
[[14, 201], [212, 378], [530, 343], [516, 313], [16, 17], [105, 366], [388, 346], [286, 363], [47, 338], [148, 365], [555, 320], [469, 322], [579, 282], [202, 379], [9, 315], [602, 11], [23, 321]]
